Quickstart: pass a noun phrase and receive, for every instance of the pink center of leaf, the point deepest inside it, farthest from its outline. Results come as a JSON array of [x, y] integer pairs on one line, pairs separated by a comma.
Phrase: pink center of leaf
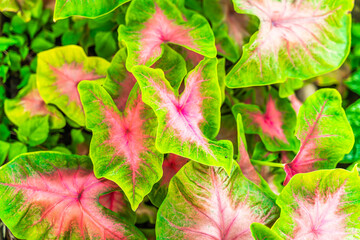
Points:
[[172, 164], [33, 103], [68, 77]]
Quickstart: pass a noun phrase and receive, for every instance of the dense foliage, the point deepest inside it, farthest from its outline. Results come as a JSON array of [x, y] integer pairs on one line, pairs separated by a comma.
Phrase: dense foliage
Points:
[[179, 119]]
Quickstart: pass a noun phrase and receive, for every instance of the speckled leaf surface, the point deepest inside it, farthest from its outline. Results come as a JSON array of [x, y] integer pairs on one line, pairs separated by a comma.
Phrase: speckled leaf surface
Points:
[[206, 203], [161, 22], [262, 232], [60, 70], [89, 9], [123, 144], [187, 121], [275, 126], [296, 39], [57, 196], [324, 133], [29, 104], [320, 205]]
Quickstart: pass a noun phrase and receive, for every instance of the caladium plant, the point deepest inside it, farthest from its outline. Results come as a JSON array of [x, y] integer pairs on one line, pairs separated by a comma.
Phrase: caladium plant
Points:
[[179, 119]]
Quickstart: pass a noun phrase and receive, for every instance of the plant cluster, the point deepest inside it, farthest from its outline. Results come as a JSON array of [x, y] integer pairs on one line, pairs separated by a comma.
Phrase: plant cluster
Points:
[[179, 119]]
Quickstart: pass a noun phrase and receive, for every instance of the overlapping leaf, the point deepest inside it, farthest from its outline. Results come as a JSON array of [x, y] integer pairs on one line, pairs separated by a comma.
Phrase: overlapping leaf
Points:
[[29, 104], [160, 22], [320, 205], [51, 195], [123, 144], [352, 114], [93, 9], [23, 8], [60, 70], [324, 133], [296, 39], [206, 203], [189, 121], [275, 126]]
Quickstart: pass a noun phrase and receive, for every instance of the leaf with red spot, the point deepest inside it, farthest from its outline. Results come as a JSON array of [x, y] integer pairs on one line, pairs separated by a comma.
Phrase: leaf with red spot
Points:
[[150, 24], [60, 70], [53, 195], [324, 133], [119, 81], [188, 121], [171, 165], [123, 144], [206, 203], [320, 205], [29, 104], [296, 39], [275, 126]]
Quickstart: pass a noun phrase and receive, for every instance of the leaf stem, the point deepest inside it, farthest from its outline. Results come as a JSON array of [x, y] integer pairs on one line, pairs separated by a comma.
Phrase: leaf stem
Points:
[[265, 163]]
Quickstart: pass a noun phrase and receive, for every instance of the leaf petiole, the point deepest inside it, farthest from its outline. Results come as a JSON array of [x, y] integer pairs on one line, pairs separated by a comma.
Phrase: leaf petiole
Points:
[[265, 163]]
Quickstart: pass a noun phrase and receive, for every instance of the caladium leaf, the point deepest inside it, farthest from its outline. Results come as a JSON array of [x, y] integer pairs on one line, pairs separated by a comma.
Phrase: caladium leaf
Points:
[[192, 59], [262, 232], [275, 126], [162, 22], [260, 153], [205, 203], [243, 157], [171, 165], [93, 9], [320, 205], [23, 8], [324, 133], [60, 70], [189, 121], [296, 39], [352, 114], [123, 144], [29, 104], [53, 195], [119, 81], [288, 87]]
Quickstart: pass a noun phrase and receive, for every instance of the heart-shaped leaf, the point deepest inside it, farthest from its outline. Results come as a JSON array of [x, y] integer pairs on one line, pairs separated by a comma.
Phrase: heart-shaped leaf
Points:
[[206, 203], [162, 22], [320, 205], [296, 39], [123, 144], [52, 195], [275, 126], [119, 81], [189, 121], [60, 70], [29, 104], [93, 9], [324, 133]]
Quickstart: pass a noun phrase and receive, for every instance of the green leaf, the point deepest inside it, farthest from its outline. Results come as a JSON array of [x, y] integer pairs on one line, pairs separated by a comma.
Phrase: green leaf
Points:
[[275, 124], [163, 22], [51, 195], [5, 43], [352, 114], [71, 37], [4, 150], [288, 87], [60, 70], [34, 131], [354, 82], [206, 203], [18, 25], [105, 44], [23, 8], [187, 121], [16, 148], [40, 44], [261, 232], [324, 133], [4, 132], [15, 60], [295, 40], [123, 144], [97, 8], [320, 205]]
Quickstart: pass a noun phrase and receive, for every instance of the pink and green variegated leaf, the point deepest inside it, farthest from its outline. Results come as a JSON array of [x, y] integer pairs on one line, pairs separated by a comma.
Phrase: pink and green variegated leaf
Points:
[[262, 232], [296, 39], [275, 126], [187, 121], [160, 22], [90, 9], [243, 157], [206, 203], [48, 195], [324, 133], [29, 104], [119, 81], [320, 205], [123, 144], [172, 164], [60, 70]]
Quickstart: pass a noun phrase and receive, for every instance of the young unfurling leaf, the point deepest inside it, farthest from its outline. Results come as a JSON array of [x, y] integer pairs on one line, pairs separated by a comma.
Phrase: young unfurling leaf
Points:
[[187, 121]]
